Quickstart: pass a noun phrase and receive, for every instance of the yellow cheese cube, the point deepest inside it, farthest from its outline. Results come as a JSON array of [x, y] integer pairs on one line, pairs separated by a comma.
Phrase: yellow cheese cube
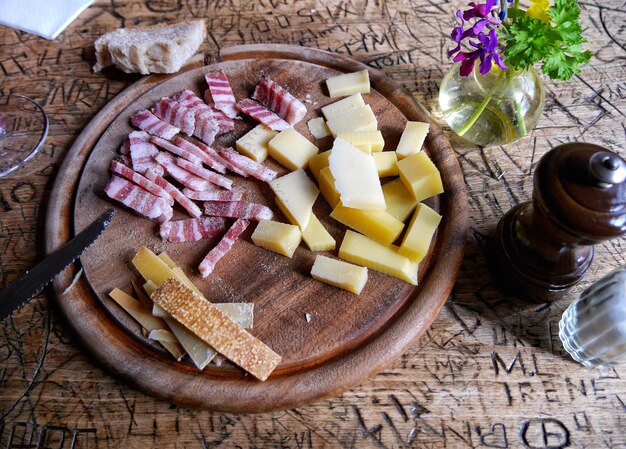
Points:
[[367, 149], [400, 202], [318, 128], [317, 237], [327, 187], [356, 178], [377, 225], [359, 119], [298, 193], [419, 175], [348, 84], [342, 106], [373, 138], [412, 139], [278, 237], [318, 162], [357, 248], [386, 163], [339, 274], [255, 143], [291, 149], [420, 232]]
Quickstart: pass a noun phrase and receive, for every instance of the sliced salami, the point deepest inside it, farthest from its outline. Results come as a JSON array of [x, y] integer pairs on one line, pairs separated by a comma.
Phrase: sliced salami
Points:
[[277, 99], [223, 247], [192, 229], [263, 115], [238, 209]]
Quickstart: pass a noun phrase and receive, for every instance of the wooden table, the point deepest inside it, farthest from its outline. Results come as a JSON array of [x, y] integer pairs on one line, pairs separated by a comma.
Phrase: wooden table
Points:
[[489, 373]]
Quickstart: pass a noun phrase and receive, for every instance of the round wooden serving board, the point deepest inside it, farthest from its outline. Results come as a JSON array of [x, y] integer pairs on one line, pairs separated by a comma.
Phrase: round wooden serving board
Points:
[[348, 337]]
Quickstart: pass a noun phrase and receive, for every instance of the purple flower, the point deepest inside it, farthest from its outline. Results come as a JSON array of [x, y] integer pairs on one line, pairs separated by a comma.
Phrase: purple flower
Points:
[[481, 36]]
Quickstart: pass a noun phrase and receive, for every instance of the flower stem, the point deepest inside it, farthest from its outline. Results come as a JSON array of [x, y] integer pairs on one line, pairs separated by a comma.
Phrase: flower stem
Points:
[[520, 119], [477, 113]]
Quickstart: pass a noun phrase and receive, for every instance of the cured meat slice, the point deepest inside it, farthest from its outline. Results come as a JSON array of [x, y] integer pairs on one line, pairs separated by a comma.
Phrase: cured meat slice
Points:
[[223, 247], [215, 194], [180, 174], [277, 99], [215, 155], [176, 114], [263, 115], [142, 153], [178, 151], [192, 229], [208, 159], [247, 165], [137, 199], [147, 121], [225, 123], [125, 148], [191, 207], [203, 173], [125, 172], [238, 209], [206, 127], [222, 95]]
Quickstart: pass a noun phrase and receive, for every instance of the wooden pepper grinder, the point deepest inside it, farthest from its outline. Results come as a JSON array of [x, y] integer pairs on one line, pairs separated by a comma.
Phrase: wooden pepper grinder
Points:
[[543, 247]]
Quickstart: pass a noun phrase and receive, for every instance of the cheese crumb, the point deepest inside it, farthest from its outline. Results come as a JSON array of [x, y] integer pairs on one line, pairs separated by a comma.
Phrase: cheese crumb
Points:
[[308, 317]]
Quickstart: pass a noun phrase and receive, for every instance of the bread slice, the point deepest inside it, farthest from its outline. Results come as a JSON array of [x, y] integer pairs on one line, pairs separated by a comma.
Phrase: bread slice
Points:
[[155, 49]]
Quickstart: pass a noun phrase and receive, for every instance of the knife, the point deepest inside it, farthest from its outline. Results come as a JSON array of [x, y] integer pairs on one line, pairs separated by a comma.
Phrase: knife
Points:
[[33, 282]]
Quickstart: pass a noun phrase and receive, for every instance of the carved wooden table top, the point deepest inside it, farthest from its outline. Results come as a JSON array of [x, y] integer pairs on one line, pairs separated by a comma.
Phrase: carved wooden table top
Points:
[[489, 373]]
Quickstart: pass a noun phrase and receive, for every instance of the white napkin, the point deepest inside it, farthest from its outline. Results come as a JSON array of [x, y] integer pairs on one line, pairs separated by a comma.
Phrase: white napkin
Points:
[[45, 18]]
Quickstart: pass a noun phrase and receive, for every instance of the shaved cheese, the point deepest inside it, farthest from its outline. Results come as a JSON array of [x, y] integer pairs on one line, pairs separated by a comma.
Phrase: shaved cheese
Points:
[[162, 335], [356, 177], [318, 128]]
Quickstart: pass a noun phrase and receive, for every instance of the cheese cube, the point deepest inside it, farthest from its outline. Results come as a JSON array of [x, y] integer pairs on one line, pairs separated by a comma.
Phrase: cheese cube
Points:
[[412, 139], [356, 177], [298, 193], [339, 274], [373, 138], [400, 202], [291, 149], [254, 144], [327, 187], [318, 128], [367, 149], [317, 237], [359, 119], [348, 84], [420, 232], [342, 106], [318, 162], [375, 224], [357, 248], [278, 237], [419, 175], [386, 163]]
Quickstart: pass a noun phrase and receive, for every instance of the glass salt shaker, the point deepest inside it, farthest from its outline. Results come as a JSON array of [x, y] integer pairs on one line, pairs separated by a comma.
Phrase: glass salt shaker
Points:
[[593, 328]]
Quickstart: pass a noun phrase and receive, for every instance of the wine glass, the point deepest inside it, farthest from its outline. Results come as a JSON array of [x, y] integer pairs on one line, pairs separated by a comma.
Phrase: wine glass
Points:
[[23, 129]]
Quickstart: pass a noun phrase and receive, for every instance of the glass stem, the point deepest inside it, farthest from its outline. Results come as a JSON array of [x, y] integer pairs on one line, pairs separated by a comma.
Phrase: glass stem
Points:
[[475, 115]]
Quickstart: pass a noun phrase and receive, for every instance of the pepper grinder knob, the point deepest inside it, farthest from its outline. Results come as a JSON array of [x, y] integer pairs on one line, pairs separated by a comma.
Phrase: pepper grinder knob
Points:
[[543, 247]]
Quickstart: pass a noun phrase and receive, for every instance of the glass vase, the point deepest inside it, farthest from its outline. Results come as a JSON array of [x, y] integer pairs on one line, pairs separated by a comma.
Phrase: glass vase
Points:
[[493, 109]]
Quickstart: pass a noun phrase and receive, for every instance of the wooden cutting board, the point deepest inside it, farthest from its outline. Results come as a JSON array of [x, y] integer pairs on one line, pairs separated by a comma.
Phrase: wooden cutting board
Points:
[[348, 337]]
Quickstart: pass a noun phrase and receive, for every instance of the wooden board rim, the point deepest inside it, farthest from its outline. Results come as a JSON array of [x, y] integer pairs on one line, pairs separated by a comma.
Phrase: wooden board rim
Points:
[[282, 391]]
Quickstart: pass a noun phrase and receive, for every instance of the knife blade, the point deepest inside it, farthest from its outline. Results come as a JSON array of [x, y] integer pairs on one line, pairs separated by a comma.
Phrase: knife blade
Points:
[[33, 282]]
